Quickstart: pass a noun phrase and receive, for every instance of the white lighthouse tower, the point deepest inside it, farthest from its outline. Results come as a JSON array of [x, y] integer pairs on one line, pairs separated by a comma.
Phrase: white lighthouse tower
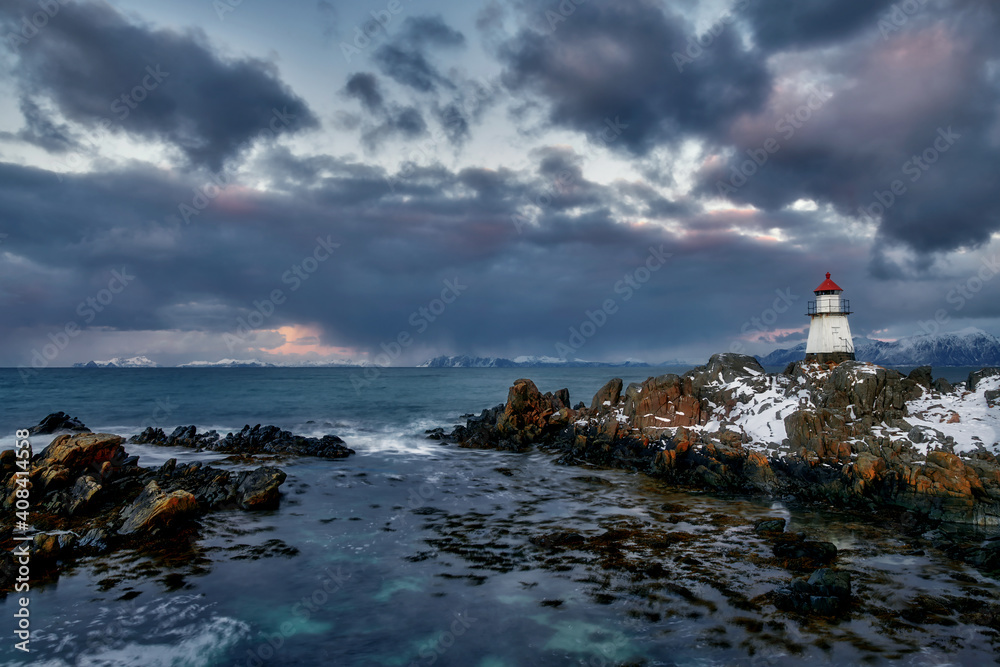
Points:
[[829, 333]]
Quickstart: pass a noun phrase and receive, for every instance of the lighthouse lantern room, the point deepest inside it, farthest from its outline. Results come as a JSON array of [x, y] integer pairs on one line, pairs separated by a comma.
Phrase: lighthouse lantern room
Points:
[[829, 333]]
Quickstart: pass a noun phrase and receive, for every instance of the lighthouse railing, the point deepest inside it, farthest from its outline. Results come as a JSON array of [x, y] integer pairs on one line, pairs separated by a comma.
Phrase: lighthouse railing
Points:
[[843, 308]]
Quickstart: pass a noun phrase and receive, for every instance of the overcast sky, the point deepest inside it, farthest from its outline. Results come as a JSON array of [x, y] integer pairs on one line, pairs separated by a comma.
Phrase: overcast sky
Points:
[[297, 180]]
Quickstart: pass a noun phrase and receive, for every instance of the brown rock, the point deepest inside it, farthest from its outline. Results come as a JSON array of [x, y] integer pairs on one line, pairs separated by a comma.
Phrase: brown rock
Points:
[[74, 451], [154, 510], [609, 394]]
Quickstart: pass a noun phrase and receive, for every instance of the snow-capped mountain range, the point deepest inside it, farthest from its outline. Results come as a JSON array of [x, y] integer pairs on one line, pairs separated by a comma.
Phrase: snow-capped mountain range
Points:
[[465, 361], [144, 362], [119, 362], [968, 347], [257, 363]]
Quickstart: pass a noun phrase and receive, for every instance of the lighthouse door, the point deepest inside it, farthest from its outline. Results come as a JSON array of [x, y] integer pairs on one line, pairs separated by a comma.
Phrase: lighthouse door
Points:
[[837, 339]]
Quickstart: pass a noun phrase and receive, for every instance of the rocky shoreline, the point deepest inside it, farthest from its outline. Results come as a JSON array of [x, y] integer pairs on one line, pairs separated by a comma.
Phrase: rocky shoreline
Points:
[[88, 497], [853, 435]]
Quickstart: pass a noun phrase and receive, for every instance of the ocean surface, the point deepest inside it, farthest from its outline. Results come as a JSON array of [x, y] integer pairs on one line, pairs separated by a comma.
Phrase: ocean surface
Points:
[[416, 553]]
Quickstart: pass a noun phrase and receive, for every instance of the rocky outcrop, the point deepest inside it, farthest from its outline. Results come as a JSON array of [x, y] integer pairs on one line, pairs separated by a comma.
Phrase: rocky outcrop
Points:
[[830, 433], [258, 489], [88, 496], [977, 376], [58, 422], [256, 440], [154, 511]]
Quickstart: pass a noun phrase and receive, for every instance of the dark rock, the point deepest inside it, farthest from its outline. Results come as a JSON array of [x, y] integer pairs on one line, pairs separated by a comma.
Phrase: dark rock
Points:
[[806, 550], [58, 422], [95, 539], [943, 386], [248, 441], [769, 526], [981, 374], [561, 398], [435, 434], [922, 376], [167, 468], [83, 493], [258, 489], [48, 547], [826, 593], [829, 582], [149, 436]]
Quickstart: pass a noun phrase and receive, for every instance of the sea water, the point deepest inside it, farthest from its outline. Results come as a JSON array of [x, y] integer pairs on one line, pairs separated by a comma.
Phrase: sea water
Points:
[[414, 552]]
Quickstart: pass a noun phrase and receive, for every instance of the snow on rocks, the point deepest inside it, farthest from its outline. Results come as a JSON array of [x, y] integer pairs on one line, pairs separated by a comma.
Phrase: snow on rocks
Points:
[[969, 418]]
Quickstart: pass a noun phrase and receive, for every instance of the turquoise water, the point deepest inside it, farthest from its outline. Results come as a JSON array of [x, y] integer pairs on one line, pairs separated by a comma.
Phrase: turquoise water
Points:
[[416, 553]]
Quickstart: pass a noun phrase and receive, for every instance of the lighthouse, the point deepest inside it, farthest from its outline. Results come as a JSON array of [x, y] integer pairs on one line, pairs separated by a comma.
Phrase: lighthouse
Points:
[[829, 333]]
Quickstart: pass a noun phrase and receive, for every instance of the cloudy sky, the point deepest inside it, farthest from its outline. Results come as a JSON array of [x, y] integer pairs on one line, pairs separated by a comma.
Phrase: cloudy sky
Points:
[[305, 180]]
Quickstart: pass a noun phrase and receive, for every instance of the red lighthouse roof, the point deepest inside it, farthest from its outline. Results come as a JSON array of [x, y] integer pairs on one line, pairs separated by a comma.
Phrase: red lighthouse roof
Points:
[[828, 286]]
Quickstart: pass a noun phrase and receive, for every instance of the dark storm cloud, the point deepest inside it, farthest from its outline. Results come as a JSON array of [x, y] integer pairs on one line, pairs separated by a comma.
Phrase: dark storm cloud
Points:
[[98, 68], [40, 130], [405, 58], [526, 286], [608, 61], [916, 111], [364, 87], [421, 31], [787, 24], [382, 120]]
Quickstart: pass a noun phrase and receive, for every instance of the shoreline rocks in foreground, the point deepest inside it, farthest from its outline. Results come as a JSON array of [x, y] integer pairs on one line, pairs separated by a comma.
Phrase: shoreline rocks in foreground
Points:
[[87, 496], [854, 434], [247, 442]]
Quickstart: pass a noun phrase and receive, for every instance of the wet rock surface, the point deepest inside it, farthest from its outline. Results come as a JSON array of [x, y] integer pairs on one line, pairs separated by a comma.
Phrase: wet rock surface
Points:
[[87, 496], [845, 441], [58, 422], [833, 433], [256, 440]]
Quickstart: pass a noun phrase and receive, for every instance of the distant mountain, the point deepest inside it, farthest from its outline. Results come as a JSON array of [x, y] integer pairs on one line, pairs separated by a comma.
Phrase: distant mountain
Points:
[[228, 363], [119, 362], [465, 361], [968, 347], [341, 363], [257, 363]]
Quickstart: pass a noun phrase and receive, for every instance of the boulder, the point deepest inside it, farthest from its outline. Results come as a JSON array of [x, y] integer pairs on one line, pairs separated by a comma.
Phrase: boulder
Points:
[[943, 386], [83, 493], [47, 547], [81, 451], [776, 525], [525, 415], [156, 511], [58, 422], [976, 376], [726, 367], [831, 583], [258, 489], [825, 592], [922, 376], [607, 396]]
